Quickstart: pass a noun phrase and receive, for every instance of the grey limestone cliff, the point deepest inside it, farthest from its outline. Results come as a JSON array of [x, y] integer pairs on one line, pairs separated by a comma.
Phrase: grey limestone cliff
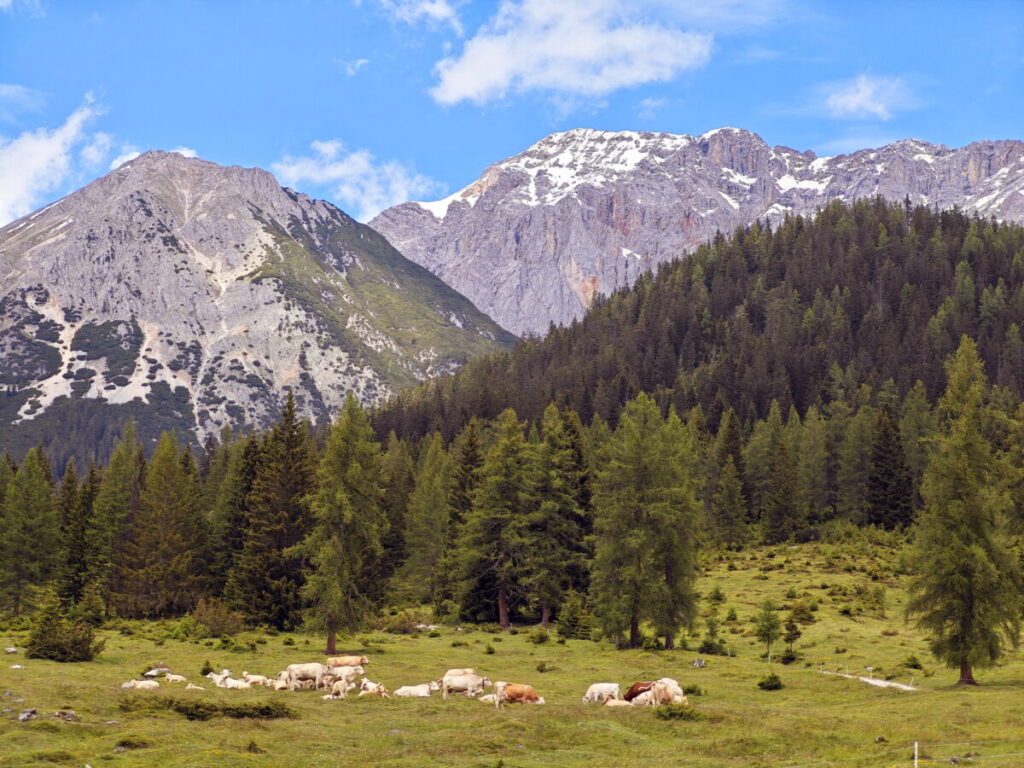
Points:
[[192, 295], [585, 212]]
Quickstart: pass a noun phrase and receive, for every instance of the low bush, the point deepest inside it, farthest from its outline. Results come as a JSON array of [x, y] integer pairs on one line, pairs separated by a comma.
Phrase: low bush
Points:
[[539, 636], [56, 638], [678, 711], [217, 618], [770, 682], [204, 710]]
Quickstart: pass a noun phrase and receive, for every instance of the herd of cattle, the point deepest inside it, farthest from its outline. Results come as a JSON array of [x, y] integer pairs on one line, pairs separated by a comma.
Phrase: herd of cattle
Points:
[[338, 676]]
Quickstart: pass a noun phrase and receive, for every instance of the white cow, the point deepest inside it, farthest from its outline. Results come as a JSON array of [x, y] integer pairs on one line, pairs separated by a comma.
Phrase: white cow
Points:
[[194, 687], [298, 672], [675, 690], [341, 688], [256, 679], [488, 698], [344, 675], [470, 685], [617, 703], [422, 691], [661, 693], [458, 672], [141, 685], [602, 692], [169, 678]]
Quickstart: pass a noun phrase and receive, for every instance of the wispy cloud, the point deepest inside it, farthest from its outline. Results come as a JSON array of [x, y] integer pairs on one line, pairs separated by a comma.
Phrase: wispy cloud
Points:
[[867, 96], [352, 67], [356, 180], [435, 12], [39, 162], [584, 47], [128, 152], [16, 99], [649, 108]]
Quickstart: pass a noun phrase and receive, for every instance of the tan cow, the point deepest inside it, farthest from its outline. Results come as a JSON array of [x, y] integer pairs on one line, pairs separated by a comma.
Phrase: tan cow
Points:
[[516, 693], [347, 661]]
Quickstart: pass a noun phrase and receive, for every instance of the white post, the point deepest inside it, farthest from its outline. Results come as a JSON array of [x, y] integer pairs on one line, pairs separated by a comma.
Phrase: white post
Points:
[[915, 754]]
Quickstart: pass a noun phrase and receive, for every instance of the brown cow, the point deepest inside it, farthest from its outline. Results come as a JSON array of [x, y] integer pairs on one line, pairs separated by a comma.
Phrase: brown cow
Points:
[[347, 661], [637, 688], [515, 693]]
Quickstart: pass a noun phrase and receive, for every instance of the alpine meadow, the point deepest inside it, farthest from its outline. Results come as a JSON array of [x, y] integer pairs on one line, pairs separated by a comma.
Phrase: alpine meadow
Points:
[[648, 442]]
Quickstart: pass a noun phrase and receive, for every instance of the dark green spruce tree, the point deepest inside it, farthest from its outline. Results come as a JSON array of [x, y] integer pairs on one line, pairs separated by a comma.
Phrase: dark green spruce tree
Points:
[[30, 526], [890, 484], [268, 573]]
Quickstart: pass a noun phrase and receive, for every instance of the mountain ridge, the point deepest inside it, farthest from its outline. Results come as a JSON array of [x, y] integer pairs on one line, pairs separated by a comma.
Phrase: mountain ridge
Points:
[[169, 285], [585, 211]]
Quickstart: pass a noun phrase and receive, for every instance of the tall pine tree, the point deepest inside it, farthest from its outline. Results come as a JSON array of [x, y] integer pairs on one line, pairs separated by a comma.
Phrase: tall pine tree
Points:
[[30, 527], [966, 591], [349, 523], [890, 486], [268, 573]]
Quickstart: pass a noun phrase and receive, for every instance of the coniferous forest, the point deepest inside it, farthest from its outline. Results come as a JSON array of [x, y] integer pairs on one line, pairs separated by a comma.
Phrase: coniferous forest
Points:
[[860, 369]]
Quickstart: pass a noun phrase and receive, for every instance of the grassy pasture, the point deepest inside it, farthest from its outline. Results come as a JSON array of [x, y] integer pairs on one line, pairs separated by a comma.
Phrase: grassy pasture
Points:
[[816, 719]]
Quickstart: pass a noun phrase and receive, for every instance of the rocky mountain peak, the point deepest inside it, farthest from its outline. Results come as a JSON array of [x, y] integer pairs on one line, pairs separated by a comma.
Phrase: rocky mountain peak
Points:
[[583, 212], [195, 294]]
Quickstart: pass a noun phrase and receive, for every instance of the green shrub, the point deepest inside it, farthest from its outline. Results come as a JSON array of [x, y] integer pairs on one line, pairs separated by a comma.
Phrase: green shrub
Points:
[[459, 644], [574, 622], [542, 666], [539, 636], [693, 690], [678, 711], [288, 641], [204, 710], [489, 649], [771, 682], [434, 633], [717, 596], [206, 669], [912, 662], [218, 619], [731, 615], [56, 638]]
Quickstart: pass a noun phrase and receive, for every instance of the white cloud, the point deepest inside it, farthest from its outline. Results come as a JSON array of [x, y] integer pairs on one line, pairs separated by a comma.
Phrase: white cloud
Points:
[[352, 67], [5, 5], [38, 162], [867, 96], [128, 152], [649, 108], [96, 151], [356, 180], [586, 47], [185, 151], [436, 12]]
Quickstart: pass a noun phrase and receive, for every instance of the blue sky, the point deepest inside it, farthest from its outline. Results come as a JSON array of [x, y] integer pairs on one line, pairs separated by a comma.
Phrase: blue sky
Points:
[[372, 102]]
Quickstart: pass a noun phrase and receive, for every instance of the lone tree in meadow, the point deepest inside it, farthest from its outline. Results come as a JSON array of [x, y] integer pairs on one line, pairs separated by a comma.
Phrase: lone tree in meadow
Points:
[[966, 589], [767, 627]]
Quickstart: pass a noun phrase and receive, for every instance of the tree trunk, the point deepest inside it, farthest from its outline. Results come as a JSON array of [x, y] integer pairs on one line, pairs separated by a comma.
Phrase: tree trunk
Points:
[[545, 615], [670, 642], [634, 632], [332, 638], [503, 621], [966, 674]]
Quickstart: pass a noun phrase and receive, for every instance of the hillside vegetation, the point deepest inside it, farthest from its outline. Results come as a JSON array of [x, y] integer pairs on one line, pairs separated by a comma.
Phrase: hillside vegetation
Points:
[[876, 290]]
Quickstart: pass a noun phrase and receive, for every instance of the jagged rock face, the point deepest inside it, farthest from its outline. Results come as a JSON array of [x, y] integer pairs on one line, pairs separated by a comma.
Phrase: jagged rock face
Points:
[[201, 292], [585, 212]]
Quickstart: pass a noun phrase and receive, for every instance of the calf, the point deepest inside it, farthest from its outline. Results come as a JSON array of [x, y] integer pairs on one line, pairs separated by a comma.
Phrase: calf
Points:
[[369, 688], [170, 678], [601, 692], [515, 693], [617, 703], [256, 679]]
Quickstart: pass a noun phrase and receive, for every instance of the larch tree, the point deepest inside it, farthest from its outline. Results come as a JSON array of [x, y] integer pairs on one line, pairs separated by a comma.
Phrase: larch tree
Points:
[[492, 540], [645, 515], [349, 523], [427, 520], [30, 527], [157, 568], [966, 588]]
